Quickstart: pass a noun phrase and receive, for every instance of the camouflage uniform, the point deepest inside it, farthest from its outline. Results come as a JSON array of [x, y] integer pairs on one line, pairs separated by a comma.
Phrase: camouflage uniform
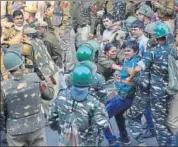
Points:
[[32, 24], [98, 90], [177, 32], [46, 66], [130, 8], [42, 58], [88, 113], [85, 18], [24, 121], [67, 38], [140, 103], [157, 61], [119, 10], [167, 13], [52, 44]]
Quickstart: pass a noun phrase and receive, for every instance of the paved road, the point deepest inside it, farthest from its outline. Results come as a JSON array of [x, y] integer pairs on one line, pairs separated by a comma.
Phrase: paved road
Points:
[[52, 138]]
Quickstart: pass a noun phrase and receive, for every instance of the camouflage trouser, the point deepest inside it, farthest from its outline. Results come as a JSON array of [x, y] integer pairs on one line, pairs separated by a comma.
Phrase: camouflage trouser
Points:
[[37, 138], [46, 103], [134, 115], [67, 44], [173, 115], [82, 35], [119, 10], [160, 108]]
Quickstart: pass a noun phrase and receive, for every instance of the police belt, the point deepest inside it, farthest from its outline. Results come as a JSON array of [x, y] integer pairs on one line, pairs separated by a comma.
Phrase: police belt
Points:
[[29, 66]]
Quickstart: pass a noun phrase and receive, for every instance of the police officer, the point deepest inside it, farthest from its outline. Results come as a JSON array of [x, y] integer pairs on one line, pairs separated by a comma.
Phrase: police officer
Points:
[[27, 52], [62, 22], [166, 12], [4, 73], [44, 65], [29, 15], [50, 40], [87, 55], [21, 95], [52, 44], [85, 18], [119, 10], [144, 13], [89, 50], [131, 7], [86, 108], [13, 34], [157, 60]]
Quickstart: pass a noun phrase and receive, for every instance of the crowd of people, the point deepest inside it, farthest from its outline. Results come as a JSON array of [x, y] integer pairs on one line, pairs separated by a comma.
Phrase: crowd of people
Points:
[[74, 65]]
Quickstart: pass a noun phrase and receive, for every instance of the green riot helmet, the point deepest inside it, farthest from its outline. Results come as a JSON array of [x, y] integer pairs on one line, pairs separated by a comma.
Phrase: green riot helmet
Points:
[[81, 76], [150, 28], [85, 52], [129, 21], [13, 59], [90, 65], [161, 29], [94, 44], [88, 54], [145, 10]]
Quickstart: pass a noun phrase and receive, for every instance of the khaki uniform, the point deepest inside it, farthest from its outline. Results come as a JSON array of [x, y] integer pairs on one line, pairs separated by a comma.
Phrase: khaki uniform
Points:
[[3, 8], [110, 6], [9, 7], [12, 36], [5, 74]]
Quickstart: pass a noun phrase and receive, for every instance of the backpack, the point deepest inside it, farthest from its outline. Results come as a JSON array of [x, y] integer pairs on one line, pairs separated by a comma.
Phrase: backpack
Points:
[[70, 135], [172, 87]]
